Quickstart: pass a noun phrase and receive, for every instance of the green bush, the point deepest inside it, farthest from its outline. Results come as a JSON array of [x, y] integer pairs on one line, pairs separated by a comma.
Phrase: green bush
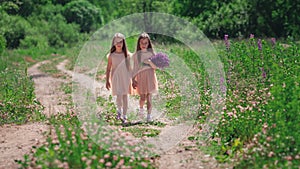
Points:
[[84, 13], [2, 44], [52, 33], [37, 41], [14, 29], [230, 18]]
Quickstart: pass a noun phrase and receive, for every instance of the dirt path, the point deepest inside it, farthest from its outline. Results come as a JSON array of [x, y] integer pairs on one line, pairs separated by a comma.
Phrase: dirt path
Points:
[[17, 140], [171, 143]]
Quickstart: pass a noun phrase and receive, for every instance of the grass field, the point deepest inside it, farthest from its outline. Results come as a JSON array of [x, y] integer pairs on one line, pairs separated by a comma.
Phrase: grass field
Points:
[[259, 123]]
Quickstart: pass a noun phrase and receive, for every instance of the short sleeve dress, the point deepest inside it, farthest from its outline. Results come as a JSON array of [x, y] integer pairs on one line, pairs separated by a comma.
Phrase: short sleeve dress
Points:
[[120, 76], [144, 74]]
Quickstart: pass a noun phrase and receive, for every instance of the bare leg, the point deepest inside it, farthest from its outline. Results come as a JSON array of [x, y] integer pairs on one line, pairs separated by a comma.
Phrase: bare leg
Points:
[[119, 102], [125, 104], [149, 107], [142, 100], [119, 106], [149, 103]]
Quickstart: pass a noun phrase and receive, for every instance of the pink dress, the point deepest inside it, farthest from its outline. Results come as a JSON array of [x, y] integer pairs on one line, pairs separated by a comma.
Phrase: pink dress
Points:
[[145, 74], [120, 76]]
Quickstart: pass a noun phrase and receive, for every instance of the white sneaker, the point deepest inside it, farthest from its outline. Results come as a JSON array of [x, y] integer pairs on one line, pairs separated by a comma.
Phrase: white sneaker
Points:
[[124, 119], [118, 115], [141, 113], [149, 118]]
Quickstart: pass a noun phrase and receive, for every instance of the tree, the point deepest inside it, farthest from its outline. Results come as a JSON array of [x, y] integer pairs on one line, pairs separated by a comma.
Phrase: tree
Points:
[[83, 13]]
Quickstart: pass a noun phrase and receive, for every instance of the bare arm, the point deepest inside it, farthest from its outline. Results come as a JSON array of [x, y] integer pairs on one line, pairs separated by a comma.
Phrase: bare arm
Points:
[[135, 70], [108, 69], [148, 61]]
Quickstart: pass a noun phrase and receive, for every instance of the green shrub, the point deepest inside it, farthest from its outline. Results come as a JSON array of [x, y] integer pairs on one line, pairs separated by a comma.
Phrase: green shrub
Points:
[[2, 44], [84, 13], [55, 32], [14, 29]]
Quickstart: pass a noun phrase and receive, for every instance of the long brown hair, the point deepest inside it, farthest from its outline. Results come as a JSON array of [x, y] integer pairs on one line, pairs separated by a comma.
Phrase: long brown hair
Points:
[[143, 35], [124, 48]]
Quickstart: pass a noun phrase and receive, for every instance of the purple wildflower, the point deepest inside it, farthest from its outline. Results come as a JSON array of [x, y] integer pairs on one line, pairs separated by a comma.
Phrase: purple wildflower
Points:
[[222, 85], [263, 74], [259, 44], [273, 40], [226, 41], [251, 36], [160, 60]]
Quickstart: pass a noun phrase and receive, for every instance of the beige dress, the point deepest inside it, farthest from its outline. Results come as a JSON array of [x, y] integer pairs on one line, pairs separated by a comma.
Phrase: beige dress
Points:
[[120, 76], [144, 74]]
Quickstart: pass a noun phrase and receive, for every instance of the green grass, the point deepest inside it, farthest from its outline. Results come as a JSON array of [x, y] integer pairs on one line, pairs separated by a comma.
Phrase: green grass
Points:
[[18, 102], [141, 132], [258, 125], [68, 145]]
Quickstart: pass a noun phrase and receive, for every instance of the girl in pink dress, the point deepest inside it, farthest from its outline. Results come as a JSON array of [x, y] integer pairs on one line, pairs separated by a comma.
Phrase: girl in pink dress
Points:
[[118, 74], [144, 77]]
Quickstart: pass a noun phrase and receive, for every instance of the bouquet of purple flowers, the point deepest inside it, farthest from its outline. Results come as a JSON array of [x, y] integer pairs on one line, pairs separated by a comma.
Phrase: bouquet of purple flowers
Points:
[[160, 60]]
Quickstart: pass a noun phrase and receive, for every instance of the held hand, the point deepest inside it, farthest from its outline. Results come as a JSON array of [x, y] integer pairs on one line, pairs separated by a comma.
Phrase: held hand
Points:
[[107, 85], [147, 61], [153, 65], [134, 84]]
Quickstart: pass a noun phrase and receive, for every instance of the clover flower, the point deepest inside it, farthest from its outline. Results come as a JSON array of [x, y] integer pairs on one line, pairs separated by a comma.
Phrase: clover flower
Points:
[[273, 40], [226, 41], [259, 44]]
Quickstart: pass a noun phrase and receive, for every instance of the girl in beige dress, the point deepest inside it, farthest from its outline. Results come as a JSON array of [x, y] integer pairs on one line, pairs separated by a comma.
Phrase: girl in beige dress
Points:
[[144, 77], [118, 74]]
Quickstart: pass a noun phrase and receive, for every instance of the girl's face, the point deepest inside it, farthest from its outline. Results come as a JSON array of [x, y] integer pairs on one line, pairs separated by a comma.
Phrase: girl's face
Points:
[[119, 46], [144, 43]]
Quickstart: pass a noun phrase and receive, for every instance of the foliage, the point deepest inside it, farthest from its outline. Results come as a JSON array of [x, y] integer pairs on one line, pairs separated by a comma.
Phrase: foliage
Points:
[[18, 103], [242, 17], [2, 44], [83, 13], [214, 18], [262, 104], [259, 123], [14, 29], [69, 146]]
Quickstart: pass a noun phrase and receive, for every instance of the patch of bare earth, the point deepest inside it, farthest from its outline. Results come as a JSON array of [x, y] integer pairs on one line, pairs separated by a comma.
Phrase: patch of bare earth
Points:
[[186, 155], [17, 140]]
